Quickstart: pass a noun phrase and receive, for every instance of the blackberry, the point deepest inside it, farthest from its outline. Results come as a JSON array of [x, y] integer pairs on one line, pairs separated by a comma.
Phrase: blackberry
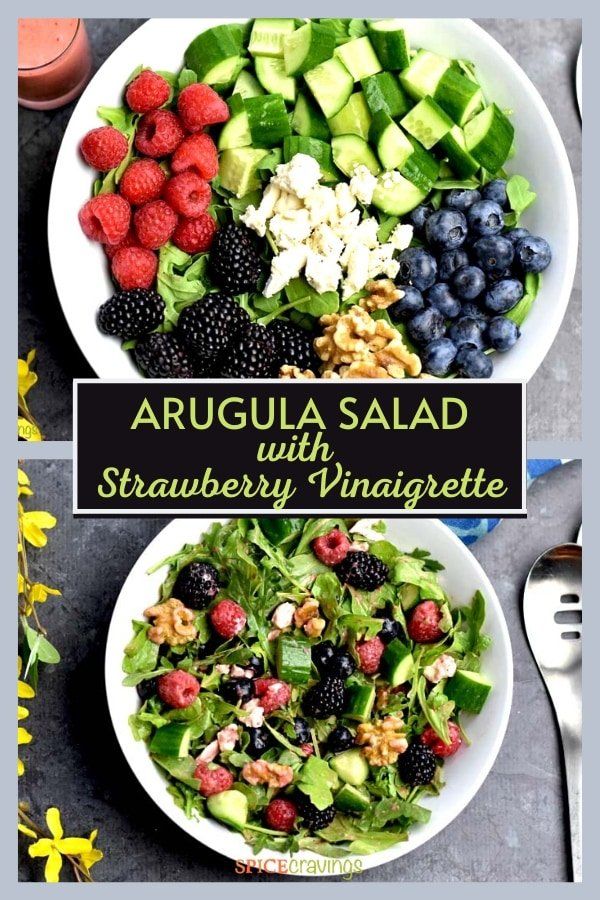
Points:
[[315, 819], [341, 665], [146, 689], [234, 263], [340, 739], [208, 326], [322, 654], [293, 345], [362, 570], [259, 741], [164, 356], [130, 314], [257, 664], [390, 629], [324, 699], [302, 731], [251, 355], [417, 764], [196, 585], [237, 690]]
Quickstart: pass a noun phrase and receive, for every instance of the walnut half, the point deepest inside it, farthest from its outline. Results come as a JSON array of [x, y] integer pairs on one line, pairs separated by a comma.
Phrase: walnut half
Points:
[[173, 623]]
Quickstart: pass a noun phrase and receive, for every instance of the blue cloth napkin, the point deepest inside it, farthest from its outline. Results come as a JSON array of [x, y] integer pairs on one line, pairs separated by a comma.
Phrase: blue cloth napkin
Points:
[[470, 530]]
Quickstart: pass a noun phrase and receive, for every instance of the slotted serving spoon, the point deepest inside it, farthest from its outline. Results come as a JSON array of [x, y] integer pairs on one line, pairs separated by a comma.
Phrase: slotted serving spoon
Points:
[[553, 622]]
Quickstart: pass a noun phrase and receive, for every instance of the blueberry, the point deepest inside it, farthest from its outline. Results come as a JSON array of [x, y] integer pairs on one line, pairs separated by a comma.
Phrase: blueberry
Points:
[[302, 731], [438, 356], [390, 629], [503, 295], [259, 741], [468, 282], [449, 262], [473, 363], [494, 277], [494, 254], [440, 297], [340, 739], [321, 654], [502, 333], [341, 665], [411, 303], [417, 267], [257, 664], [237, 689], [485, 218], [496, 190], [473, 312], [467, 331], [533, 254], [418, 216], [446, 229], [515, 235], [146, 689], [426, 326], [461, 199]]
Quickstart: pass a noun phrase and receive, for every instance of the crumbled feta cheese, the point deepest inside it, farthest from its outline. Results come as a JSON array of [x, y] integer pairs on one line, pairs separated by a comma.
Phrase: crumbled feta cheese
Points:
[[363, 184], [321, 205], [287, 202], [381, 262], [322, 274], [284, 266], [228, 737], [222, 668], [283, 615], [290, 228], [345, 199], [401, 237], [346, 226], [256, 714], [357, 269], [254, 220], [236, 672], [210, 752], [366, 233], [366, 528], [299, 175], [443, 667], [324, 240]]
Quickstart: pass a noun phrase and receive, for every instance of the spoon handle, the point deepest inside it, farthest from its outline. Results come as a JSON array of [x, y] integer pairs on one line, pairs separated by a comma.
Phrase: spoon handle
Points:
[[572, 754]]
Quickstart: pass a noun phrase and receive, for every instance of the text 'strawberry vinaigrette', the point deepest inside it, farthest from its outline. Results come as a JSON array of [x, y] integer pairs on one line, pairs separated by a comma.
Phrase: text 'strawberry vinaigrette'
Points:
[[55, 61]]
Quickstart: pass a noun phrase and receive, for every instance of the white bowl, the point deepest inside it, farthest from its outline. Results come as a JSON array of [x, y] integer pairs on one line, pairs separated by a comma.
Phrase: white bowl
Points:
[[464, 773], [79, 266]]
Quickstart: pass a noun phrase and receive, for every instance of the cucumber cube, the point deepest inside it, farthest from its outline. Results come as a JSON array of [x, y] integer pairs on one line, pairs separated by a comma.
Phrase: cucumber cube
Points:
[[353, 118], [454, 146], [427, 122], [230, 807], [393, 147], [351, 766], [267, 35], [238, 169], [331, 84], [422, 76], [359, 58], [391, 43], [267, 119], [383, 91], [352, 799], [397, 663], [489, 136], [172, 740], [293, 659], [469, 690], [361, 698]]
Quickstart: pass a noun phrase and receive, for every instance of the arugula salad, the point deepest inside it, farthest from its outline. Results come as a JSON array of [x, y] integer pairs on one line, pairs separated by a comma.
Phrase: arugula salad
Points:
[[302, 681], [312, 198]]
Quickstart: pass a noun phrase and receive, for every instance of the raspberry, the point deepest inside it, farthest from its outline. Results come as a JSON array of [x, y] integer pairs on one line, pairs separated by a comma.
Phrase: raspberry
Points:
[[159, 133], [178, 688], [213, 779], [105, 218], [198, 151], [437, 745], [423, 625], [199, 105], [147, 91], [188, 194], [369, 653], [154, 224], [104, 148], [228, 618], [281, 814], [195, 235], [130, 240], [307, 749], [134, 267], [272, 693], [142, 182], [331, 548]]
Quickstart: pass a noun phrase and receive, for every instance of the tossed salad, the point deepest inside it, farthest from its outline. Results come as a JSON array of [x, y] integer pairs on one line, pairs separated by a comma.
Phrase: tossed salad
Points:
[[303, 680]]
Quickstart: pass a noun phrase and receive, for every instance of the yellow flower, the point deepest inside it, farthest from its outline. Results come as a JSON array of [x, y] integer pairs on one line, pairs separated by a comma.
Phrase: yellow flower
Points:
[[54, 847], [91, 857], [39, 593], [26, 378], [24, 692], [32, 524], [23, 484]]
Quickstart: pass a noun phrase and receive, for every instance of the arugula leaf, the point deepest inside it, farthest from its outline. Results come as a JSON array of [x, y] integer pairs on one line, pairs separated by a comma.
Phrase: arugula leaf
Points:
[[180, 279], [121, 118], [316, 780], [141, 654], [518, 314], [437, 715], [519, 196], [180, 769]]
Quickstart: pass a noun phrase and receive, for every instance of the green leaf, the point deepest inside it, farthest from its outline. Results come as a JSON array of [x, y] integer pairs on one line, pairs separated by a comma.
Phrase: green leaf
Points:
[[119, 117], [519, 313], [179, 769], [141, 654], [519, 195], [316, 780], [186, 77]]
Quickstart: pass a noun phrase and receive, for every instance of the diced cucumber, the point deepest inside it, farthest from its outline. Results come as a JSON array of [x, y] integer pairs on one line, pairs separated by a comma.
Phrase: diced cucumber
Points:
[[352, 799], [409, 596], [216, 55], [172, 740], [267, 120], [361, 698], [390, 43], [392, 145], [267, 36], [489, 136], [230, 807], [305, 48], [293, 659], [427, 122], [454, 146], [235, 133], [308, 121], [331, 85], [237, 169], [353, 118], [460, 97], [351, 766], [396, 195], [271, 74], [421, 167], [397, 663], [349, 151], [422, 75], [383, 91], [319, 150], [469, 690], [246, 85], [359, 58]]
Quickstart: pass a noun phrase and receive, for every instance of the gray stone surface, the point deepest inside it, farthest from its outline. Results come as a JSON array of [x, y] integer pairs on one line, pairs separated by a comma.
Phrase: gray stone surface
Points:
[[546, 49], [513, 830]]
